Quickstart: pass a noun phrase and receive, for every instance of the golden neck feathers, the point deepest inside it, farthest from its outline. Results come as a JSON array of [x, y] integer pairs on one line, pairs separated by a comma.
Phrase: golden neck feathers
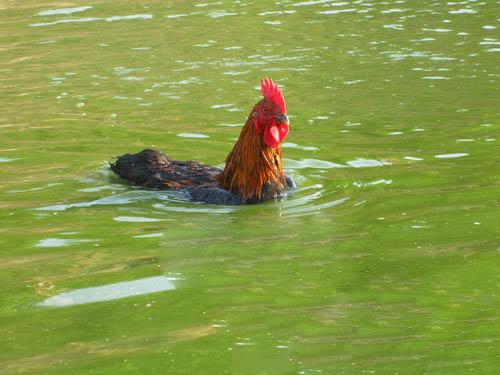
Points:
[[252, 166]]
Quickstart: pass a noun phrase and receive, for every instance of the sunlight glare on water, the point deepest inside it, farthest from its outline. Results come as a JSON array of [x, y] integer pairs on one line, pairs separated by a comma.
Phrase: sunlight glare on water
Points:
[[110, 292]]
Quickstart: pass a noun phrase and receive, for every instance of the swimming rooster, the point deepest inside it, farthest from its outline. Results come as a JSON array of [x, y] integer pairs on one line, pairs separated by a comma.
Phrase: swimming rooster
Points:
[[253, 171]]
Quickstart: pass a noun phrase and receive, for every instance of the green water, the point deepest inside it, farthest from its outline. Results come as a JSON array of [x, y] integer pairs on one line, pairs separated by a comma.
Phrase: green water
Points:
[[384, 261]]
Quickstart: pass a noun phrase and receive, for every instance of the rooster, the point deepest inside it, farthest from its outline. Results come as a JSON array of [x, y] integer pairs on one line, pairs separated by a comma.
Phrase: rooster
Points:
[[253, 171]]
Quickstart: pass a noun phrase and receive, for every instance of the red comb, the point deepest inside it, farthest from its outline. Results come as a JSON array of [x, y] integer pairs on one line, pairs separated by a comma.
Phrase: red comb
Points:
[[271, 91]]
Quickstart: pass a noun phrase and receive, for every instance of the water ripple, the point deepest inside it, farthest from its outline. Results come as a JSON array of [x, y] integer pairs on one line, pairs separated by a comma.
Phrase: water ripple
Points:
[[149, 235], [35, 189], [136, 219], [314, 2], [394, 10], [436, 78], [101, 188], [299, 201], [52, 12], [337, 11], [202, 208], [310, 163], [192, 135], [7, 160], [61, 242], [364, 163], [93, 19], [322, 164], [119, 199], [451, 156], [299, 147], [463, 11], [382, 181], [313, 208], [221, 13], [110, 292]]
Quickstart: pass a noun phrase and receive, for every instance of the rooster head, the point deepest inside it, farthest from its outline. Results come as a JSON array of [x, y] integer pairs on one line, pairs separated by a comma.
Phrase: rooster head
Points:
[[269, 115]]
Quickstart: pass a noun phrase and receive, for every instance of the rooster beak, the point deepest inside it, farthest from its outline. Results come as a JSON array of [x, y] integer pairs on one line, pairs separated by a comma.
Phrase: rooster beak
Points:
[[282, 119]]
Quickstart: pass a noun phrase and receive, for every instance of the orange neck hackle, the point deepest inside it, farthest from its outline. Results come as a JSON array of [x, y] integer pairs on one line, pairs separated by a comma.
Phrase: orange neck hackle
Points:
[[252, 165]]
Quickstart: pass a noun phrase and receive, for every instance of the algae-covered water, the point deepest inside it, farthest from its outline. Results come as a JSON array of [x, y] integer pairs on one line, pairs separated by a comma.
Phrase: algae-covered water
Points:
[[386, 259]]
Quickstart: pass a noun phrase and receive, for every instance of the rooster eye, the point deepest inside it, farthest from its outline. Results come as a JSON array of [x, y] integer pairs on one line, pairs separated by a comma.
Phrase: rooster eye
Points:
[[264, 110]]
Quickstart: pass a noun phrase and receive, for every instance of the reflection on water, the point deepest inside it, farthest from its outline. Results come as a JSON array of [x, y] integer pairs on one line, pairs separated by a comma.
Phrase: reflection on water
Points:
[[323, 164], [310, 163], [192, 135], [337, 11], [100, 188], [61, 242], [366, 163], [119, 199], [52, 12], [93, 19], [110, 292], [412, 158], [149, 235], [6, 160], [35, 188], [451, 156], [382, 181], [197, 207], [295, 145], [135, 219], [312, 208]]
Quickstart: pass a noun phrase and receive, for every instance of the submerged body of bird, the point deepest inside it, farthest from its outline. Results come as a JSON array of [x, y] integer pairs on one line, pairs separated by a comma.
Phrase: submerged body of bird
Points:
[[253, 170]]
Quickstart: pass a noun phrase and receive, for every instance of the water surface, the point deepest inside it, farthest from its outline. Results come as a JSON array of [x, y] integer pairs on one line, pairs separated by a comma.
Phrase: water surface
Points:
[[384, 261]]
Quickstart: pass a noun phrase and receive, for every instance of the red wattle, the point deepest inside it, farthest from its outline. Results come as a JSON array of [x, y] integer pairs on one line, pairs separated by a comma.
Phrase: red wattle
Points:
[[272, 136], [283, 129]]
